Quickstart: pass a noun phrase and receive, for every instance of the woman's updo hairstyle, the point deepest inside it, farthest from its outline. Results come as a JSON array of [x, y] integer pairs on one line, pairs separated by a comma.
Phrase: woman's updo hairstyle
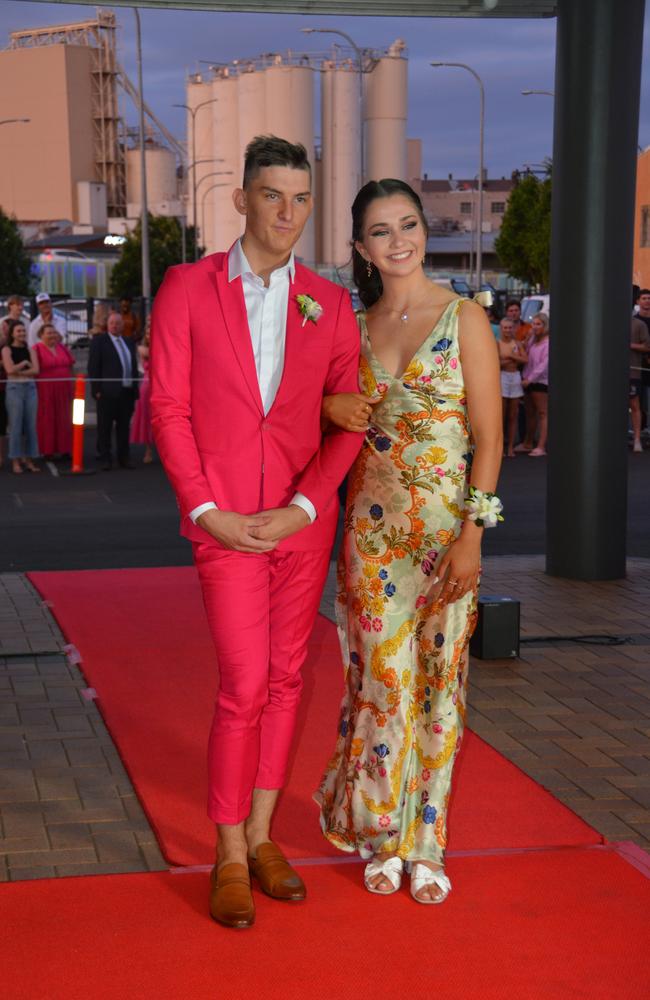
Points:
[[370, 285]]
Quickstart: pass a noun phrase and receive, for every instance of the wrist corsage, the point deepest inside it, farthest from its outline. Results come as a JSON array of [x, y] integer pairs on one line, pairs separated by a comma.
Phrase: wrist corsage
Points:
[[483, 508]]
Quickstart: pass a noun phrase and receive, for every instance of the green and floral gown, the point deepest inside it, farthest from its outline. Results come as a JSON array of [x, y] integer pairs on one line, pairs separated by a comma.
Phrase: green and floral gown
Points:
[[387, 786]]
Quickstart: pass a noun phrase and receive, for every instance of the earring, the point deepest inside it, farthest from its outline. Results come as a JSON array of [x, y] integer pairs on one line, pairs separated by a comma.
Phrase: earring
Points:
[[369, 268]]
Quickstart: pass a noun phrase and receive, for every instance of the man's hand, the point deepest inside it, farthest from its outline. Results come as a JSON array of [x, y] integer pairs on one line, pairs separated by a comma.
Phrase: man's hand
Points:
[[238, 532], [281, 522]]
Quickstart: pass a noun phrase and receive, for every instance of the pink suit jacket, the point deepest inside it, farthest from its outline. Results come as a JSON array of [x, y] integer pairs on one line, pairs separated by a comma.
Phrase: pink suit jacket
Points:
[[211, 432]]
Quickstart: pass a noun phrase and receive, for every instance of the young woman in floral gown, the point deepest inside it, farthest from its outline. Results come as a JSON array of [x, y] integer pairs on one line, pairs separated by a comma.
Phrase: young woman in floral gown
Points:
[[409, 566]]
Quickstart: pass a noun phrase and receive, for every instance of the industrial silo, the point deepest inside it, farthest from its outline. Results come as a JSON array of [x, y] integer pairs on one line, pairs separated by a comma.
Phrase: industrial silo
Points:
[[385, 113], [341, 137], [290, 115], [162, 184], [252, 105], [223, 225]]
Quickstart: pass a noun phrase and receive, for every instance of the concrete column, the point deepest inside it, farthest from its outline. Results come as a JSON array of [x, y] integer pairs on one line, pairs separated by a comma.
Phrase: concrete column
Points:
[[598, 78]]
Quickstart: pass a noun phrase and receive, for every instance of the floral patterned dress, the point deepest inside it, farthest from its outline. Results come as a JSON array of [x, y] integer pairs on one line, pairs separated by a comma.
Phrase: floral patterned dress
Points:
[[387, 786]]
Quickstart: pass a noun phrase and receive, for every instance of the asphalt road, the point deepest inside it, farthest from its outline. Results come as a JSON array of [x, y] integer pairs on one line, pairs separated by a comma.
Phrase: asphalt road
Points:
[[126, 518]]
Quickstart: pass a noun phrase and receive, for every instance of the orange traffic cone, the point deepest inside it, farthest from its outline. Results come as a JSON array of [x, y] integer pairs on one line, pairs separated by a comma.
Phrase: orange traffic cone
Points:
[[78, 416]]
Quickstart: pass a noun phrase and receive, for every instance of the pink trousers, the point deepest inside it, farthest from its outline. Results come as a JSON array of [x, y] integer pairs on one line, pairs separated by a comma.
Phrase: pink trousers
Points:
[[261, 610]]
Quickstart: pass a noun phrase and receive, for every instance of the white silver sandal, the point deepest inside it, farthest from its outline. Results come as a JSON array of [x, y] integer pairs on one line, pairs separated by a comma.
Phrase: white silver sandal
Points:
[[421, 876], [390, 869]]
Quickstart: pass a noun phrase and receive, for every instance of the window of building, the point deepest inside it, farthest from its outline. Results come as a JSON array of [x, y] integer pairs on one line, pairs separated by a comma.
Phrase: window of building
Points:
[[498, 207], [465, 208], [645, 225]]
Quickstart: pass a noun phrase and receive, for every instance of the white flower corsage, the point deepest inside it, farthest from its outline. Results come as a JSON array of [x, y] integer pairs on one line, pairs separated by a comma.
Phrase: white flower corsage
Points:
[[483, 508], [309, 308]]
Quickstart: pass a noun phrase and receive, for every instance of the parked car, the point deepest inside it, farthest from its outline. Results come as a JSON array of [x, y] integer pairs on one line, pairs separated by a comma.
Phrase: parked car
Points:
[[75, 314], [460, 286], [58, 254], [532, 304]]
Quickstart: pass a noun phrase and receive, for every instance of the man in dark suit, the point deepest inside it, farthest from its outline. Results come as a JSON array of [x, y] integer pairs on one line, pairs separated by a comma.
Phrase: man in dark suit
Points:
[[113, 357]]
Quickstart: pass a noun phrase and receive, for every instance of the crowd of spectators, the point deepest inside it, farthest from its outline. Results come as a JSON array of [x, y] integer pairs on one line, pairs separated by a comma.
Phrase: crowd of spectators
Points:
[[37, 371], [640, 366], [523, 355]]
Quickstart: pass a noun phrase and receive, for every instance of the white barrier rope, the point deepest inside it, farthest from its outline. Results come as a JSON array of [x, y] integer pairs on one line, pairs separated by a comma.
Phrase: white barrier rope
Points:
[[72, 378]]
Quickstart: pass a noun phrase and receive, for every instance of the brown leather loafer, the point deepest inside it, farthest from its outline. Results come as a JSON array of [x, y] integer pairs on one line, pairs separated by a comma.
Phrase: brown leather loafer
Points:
[[231, 899], [274, 873]]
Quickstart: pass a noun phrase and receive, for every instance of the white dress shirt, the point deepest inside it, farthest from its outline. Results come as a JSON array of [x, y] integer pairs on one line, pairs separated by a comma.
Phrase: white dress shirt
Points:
[[266, 311]]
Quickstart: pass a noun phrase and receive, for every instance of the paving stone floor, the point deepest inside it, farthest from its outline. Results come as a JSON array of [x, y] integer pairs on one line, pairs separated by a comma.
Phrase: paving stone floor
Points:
[[574, 717], [67, 806]]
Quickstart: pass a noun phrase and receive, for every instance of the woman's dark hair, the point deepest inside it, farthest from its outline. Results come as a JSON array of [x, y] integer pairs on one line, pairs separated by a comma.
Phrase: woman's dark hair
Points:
[[369, 285], [46, 326], [11, 326], [270, 151]]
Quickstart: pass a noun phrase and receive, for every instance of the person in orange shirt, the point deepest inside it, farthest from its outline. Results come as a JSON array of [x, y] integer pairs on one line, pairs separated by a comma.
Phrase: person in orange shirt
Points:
[[130, 321], [522, 331]]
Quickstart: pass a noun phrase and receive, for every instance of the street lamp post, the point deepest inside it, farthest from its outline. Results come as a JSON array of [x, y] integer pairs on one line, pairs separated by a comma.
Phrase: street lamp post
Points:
[[192, 166], [213, 173], [144, 208], [359, 54], [479, 233], [204, 196]]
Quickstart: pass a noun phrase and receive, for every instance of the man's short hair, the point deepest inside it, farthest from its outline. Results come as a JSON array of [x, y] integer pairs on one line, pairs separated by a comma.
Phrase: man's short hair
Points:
[[644, 291], [513, 302], [270, 151]]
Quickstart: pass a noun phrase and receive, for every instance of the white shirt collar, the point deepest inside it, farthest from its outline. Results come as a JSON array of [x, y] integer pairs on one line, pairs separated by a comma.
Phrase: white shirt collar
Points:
[[238, 264]]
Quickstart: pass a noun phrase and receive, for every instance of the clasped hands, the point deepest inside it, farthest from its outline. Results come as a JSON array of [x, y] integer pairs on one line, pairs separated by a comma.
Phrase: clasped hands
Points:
[[253, 532]]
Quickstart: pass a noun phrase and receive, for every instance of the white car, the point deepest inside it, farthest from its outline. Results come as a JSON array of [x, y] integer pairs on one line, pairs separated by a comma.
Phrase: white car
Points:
[[58, 254], [532, 304]]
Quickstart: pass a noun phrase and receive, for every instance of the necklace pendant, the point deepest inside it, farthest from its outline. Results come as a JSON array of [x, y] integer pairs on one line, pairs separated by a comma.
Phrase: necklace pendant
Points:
[[404, 317]]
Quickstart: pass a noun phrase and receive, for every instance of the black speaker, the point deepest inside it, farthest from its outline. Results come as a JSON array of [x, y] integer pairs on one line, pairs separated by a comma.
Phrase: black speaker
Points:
[[496, 636]]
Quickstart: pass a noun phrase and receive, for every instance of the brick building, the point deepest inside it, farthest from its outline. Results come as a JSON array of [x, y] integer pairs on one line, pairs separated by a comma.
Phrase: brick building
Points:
[[451, 205]]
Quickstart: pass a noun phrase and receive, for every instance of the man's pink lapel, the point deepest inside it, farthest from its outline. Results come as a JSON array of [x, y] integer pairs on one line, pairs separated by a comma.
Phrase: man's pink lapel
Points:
[[233, 307], [296, 334]]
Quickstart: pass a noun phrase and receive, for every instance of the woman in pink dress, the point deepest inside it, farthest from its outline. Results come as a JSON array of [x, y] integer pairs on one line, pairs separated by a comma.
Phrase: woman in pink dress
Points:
[[534, 379], [141, 424], [54, 421]]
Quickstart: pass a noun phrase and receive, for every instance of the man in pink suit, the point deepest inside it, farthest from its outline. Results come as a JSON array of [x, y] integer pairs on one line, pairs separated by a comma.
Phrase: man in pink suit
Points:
[[244, 346]]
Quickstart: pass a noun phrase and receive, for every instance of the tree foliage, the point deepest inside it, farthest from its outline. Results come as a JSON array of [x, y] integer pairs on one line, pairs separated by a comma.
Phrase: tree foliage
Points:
[[15, 263], [165, 249], [524, 243]]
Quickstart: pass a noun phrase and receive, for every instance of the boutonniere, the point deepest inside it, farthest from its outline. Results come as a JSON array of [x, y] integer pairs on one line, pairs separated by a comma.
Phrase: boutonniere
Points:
[[309, 308]]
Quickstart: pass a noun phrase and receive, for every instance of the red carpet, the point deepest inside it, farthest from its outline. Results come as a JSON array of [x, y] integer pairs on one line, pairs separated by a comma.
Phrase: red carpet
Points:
[[561, 925], [145, 648]]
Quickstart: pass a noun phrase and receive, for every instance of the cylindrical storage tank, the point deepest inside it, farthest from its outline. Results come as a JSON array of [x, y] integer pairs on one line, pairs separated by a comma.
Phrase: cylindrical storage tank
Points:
[[290, 115], [325, 190], [251, 95], [341, 159], [386, 95], [161, 177], [200, 146], [133, 184], [223, 225]]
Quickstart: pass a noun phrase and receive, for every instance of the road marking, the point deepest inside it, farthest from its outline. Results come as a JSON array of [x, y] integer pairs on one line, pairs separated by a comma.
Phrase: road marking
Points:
[[53, 469]]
